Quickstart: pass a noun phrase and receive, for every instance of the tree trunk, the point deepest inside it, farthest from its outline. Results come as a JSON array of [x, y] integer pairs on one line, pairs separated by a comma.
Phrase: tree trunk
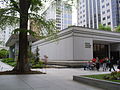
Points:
[[23, 62]]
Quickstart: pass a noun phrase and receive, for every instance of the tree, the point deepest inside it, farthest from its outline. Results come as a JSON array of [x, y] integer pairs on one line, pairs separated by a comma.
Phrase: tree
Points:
[[117, 28], [105, 28], [3, 53], [21, 11]]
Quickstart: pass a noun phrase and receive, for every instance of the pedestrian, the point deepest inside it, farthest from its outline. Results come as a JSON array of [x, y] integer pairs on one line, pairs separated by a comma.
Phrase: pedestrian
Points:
[[108, 63], [87, 66], [118, 67], [45, 60], [97, 64], [111, 65], [105, 64]]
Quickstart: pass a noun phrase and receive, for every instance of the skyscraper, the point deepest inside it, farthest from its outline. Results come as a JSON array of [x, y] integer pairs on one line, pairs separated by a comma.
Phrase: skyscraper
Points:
[[91, 13], [6, 32], [110, 13], [88, 13], [59, 12]]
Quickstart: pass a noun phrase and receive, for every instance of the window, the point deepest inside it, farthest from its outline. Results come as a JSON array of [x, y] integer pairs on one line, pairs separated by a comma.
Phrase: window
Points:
[[109, 23], [104, 24], [103, 12], [104, 18], [107, 4], [108, 10], [102, 1], [108, 17], [103, 6]]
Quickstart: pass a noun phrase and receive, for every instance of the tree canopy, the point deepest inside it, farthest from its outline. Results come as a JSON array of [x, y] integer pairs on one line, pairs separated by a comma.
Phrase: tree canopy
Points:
[[105, 28], [18, 13]]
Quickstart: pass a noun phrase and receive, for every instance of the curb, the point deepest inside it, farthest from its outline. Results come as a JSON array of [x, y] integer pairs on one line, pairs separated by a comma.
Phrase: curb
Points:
[[107, 85]]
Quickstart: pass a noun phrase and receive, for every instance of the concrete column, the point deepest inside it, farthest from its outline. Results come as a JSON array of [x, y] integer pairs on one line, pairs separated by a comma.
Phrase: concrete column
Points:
[[11, 54], [109, 50], [16, 50]]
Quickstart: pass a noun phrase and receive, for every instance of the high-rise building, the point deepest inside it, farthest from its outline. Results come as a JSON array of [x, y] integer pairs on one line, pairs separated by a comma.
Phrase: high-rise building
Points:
[[91, 13], [88, 13], [6, 32], [110, 13], [59, 12], [4, 36]]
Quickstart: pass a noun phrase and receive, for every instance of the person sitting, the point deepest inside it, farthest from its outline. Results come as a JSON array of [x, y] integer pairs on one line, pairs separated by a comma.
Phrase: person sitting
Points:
[[87, 66]]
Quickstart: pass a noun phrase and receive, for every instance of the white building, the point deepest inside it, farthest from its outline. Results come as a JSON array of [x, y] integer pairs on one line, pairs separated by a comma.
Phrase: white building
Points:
[[80, 44], [4, 36], [59, 12], [6, 32], [91, 13]]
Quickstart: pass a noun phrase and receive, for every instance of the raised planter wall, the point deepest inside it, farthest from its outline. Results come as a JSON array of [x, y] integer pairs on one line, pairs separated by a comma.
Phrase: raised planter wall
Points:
[[106, 85]]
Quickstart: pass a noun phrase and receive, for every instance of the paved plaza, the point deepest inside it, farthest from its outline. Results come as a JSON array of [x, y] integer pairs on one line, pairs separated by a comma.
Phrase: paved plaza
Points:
[[55, 79]]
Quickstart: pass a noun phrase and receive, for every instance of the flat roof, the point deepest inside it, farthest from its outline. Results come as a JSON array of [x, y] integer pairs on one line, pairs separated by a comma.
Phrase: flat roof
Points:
[[15, 38]]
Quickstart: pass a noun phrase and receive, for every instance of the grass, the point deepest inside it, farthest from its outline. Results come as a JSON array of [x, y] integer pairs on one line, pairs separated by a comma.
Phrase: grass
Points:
[[101, 76]]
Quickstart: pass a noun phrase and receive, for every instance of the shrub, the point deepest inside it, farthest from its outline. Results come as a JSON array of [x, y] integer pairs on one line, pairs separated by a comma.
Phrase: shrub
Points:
[[113, 76], [3, 53], [105, 28]]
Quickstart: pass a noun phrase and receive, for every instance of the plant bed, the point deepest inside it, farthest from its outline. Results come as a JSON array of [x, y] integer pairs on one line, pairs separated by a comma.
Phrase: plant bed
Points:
[[95, 80], [114, 77], [19, 73]]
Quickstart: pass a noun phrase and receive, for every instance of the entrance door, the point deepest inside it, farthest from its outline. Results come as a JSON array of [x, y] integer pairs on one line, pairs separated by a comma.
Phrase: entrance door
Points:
[[115, 55], [100, 50]]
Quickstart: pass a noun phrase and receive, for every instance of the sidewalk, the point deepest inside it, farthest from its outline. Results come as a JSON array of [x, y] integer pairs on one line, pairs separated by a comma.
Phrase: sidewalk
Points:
[[55, 79]]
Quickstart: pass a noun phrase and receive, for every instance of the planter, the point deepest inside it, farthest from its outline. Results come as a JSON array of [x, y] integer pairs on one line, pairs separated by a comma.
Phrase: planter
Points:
[[107, 85]]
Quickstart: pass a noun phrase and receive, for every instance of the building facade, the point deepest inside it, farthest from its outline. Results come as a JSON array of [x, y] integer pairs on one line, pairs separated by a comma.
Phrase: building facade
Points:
[[88, 13], [59, 12], [6, 32], [91, 13], [77, 43]]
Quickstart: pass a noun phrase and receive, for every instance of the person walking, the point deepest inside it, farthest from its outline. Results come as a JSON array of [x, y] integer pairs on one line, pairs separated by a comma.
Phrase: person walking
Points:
[[97, 64], [118, 67], [111, 65], [105, 64]]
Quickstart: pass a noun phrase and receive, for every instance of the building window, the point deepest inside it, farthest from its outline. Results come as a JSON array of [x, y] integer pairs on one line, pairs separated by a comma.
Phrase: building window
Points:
[[103, 12], [107, 4], [103, 6], [104, 18], [108, 17], [108, 10], [102, 1], [104, 24], [109, 23]]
